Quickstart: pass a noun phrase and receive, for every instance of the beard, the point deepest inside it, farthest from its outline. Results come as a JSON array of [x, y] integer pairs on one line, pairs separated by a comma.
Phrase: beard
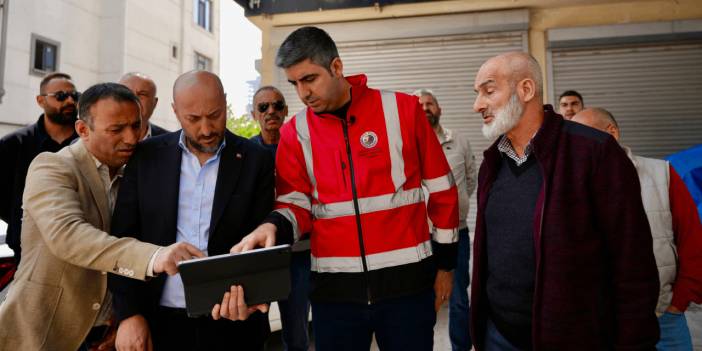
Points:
[[504, 119], [203, 148], [433, 119], [65, 116]]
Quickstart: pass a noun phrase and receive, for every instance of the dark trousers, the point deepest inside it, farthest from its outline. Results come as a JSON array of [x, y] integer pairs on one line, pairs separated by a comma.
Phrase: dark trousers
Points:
[[294, 312], [459, 312], [172, 329], [405, 323]]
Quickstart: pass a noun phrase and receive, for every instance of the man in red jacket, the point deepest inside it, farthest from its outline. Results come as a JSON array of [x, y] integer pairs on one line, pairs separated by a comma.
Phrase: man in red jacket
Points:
[[677, 235], [350, 171], [563, 255]]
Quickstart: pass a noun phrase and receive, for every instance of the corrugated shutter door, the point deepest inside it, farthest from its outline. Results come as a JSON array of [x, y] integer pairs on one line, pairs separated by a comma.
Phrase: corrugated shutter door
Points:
[[447, 65], [654, 91]]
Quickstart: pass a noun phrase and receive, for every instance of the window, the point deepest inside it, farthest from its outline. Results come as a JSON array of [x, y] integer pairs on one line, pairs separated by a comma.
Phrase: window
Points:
[[202, 11], [203, 62], [44, 55]]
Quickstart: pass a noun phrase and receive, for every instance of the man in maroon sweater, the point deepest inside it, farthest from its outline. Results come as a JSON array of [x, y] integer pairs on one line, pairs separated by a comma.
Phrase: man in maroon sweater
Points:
[[572, 268]]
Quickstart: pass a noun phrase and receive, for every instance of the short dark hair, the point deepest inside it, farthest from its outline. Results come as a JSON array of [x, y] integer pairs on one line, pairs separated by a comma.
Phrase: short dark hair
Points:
[[572, 93], [102, 91], [307, 43], [51, 76]]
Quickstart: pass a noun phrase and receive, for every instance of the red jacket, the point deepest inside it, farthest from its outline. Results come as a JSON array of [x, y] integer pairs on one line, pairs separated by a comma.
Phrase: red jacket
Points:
[[355, 185], [596, 283]]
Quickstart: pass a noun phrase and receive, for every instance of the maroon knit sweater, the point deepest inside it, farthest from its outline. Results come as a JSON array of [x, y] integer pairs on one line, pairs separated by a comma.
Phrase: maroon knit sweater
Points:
[[596, 283]]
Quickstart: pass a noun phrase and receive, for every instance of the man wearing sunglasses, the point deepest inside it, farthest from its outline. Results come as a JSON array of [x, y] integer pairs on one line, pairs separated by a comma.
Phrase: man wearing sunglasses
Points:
[[270, 110], [55, 129]]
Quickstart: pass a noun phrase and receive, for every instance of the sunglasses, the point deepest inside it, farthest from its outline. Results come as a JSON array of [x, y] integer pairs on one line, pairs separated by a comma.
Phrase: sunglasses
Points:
[[277, 105], [62, 95]]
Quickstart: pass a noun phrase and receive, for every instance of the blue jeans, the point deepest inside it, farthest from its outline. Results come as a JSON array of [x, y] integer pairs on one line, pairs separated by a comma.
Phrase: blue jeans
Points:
[[459, 311], [494, 341], [402, 324], [675, 335], [294, 312]]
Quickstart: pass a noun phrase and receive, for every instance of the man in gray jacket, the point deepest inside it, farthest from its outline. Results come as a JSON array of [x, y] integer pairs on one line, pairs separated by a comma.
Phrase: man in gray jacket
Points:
[[462, 162]]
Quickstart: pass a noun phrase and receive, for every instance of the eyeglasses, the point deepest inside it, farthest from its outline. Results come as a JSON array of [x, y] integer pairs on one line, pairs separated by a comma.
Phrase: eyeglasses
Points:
[[62, 95], [277, 105]]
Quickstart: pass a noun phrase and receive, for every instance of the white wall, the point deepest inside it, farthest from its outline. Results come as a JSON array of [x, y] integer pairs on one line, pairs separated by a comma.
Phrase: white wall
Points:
[[101, 40]]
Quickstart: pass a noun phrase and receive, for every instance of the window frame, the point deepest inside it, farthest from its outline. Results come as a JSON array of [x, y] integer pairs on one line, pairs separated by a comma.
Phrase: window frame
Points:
[[207, 16], [35, 38], [207, 60]]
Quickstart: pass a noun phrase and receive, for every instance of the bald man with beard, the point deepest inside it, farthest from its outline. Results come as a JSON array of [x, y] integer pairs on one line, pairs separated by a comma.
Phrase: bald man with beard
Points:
[[563, 255], [202, 185]]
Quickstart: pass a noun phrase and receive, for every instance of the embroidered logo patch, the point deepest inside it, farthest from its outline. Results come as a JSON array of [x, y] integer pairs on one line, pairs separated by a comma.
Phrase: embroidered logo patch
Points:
[[369, 140]]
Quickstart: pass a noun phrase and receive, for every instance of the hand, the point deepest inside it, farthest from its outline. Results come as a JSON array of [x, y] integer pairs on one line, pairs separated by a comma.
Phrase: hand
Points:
[[133, 335], [168, 257], [263, 236], [442, 288], [107, 342], [234, 307], [674, 310]]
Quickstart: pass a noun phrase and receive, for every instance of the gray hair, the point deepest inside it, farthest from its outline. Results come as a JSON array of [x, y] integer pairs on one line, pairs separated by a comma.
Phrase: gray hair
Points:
[[140, 76], [604, 115], [307, 43], [268, 88], [424, 92]]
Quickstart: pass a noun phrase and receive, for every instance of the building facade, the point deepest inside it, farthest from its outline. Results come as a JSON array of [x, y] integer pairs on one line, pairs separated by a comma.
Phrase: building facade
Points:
[[98, 41], [637, 58]]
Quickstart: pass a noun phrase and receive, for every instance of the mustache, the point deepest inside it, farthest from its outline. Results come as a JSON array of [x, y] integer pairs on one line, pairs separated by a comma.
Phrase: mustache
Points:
[[272, 117]]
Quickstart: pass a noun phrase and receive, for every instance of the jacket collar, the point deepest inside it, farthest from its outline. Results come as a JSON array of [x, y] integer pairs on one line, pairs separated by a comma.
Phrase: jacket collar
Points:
[[86, 164], [543, 142], [358, 89]]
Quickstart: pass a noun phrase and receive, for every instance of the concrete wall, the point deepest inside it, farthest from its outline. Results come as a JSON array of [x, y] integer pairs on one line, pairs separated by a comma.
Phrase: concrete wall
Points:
[[543, 15], [100, 41]]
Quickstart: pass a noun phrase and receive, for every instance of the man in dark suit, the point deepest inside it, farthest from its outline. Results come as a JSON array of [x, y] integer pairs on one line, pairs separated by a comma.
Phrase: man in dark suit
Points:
[[145, 89], [202, 185]]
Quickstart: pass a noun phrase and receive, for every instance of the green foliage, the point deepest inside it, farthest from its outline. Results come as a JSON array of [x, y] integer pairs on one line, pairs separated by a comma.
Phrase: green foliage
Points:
[[243, 125]]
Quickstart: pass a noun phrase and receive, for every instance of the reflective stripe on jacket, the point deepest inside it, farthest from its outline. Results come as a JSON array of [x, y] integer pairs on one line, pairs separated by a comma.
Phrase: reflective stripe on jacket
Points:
[[388, 146]]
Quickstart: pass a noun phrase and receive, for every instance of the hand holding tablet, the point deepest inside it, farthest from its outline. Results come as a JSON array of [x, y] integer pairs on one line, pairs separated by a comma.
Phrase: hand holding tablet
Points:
[[221, 280]]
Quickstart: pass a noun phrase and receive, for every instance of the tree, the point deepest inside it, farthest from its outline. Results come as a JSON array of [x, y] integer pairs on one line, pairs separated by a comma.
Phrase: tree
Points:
[[243, 126]]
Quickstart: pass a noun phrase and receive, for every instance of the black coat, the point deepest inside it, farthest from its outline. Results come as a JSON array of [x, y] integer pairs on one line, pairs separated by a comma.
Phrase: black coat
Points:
[[147, 207]]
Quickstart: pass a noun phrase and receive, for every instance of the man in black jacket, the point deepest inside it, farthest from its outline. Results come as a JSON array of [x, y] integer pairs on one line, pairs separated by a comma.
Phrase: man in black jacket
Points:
[[54, 130], [202, 185]]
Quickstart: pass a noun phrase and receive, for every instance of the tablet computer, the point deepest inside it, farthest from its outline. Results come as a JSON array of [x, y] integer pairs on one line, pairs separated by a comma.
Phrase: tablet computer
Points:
[[263, 273]]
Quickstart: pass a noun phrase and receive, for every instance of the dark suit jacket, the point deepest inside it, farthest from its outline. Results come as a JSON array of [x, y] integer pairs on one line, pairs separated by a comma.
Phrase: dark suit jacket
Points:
[[156, 130], [147, 206]]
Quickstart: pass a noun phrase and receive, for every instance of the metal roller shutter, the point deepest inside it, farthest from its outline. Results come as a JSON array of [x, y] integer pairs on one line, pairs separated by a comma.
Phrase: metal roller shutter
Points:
[[447, 65], [654, 91]]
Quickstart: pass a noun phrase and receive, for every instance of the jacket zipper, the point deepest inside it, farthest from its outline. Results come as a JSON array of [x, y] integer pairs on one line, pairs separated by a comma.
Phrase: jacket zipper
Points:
[[345, 127]]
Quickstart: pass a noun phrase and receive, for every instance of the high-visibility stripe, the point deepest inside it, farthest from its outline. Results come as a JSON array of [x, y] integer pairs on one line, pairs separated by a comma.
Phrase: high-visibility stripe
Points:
[[438, 184], [375, 261], [392, 127], [290, 216], [303, 137], [445, 236], [296, 198], [369, 204]]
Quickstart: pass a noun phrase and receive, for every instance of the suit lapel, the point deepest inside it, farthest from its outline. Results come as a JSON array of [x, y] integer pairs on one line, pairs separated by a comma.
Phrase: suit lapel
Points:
[[168, 173], [86, 164], [230, 165]]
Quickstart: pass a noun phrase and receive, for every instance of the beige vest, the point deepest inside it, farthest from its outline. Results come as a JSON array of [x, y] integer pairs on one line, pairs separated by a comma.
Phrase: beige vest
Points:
[[654, 177]]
